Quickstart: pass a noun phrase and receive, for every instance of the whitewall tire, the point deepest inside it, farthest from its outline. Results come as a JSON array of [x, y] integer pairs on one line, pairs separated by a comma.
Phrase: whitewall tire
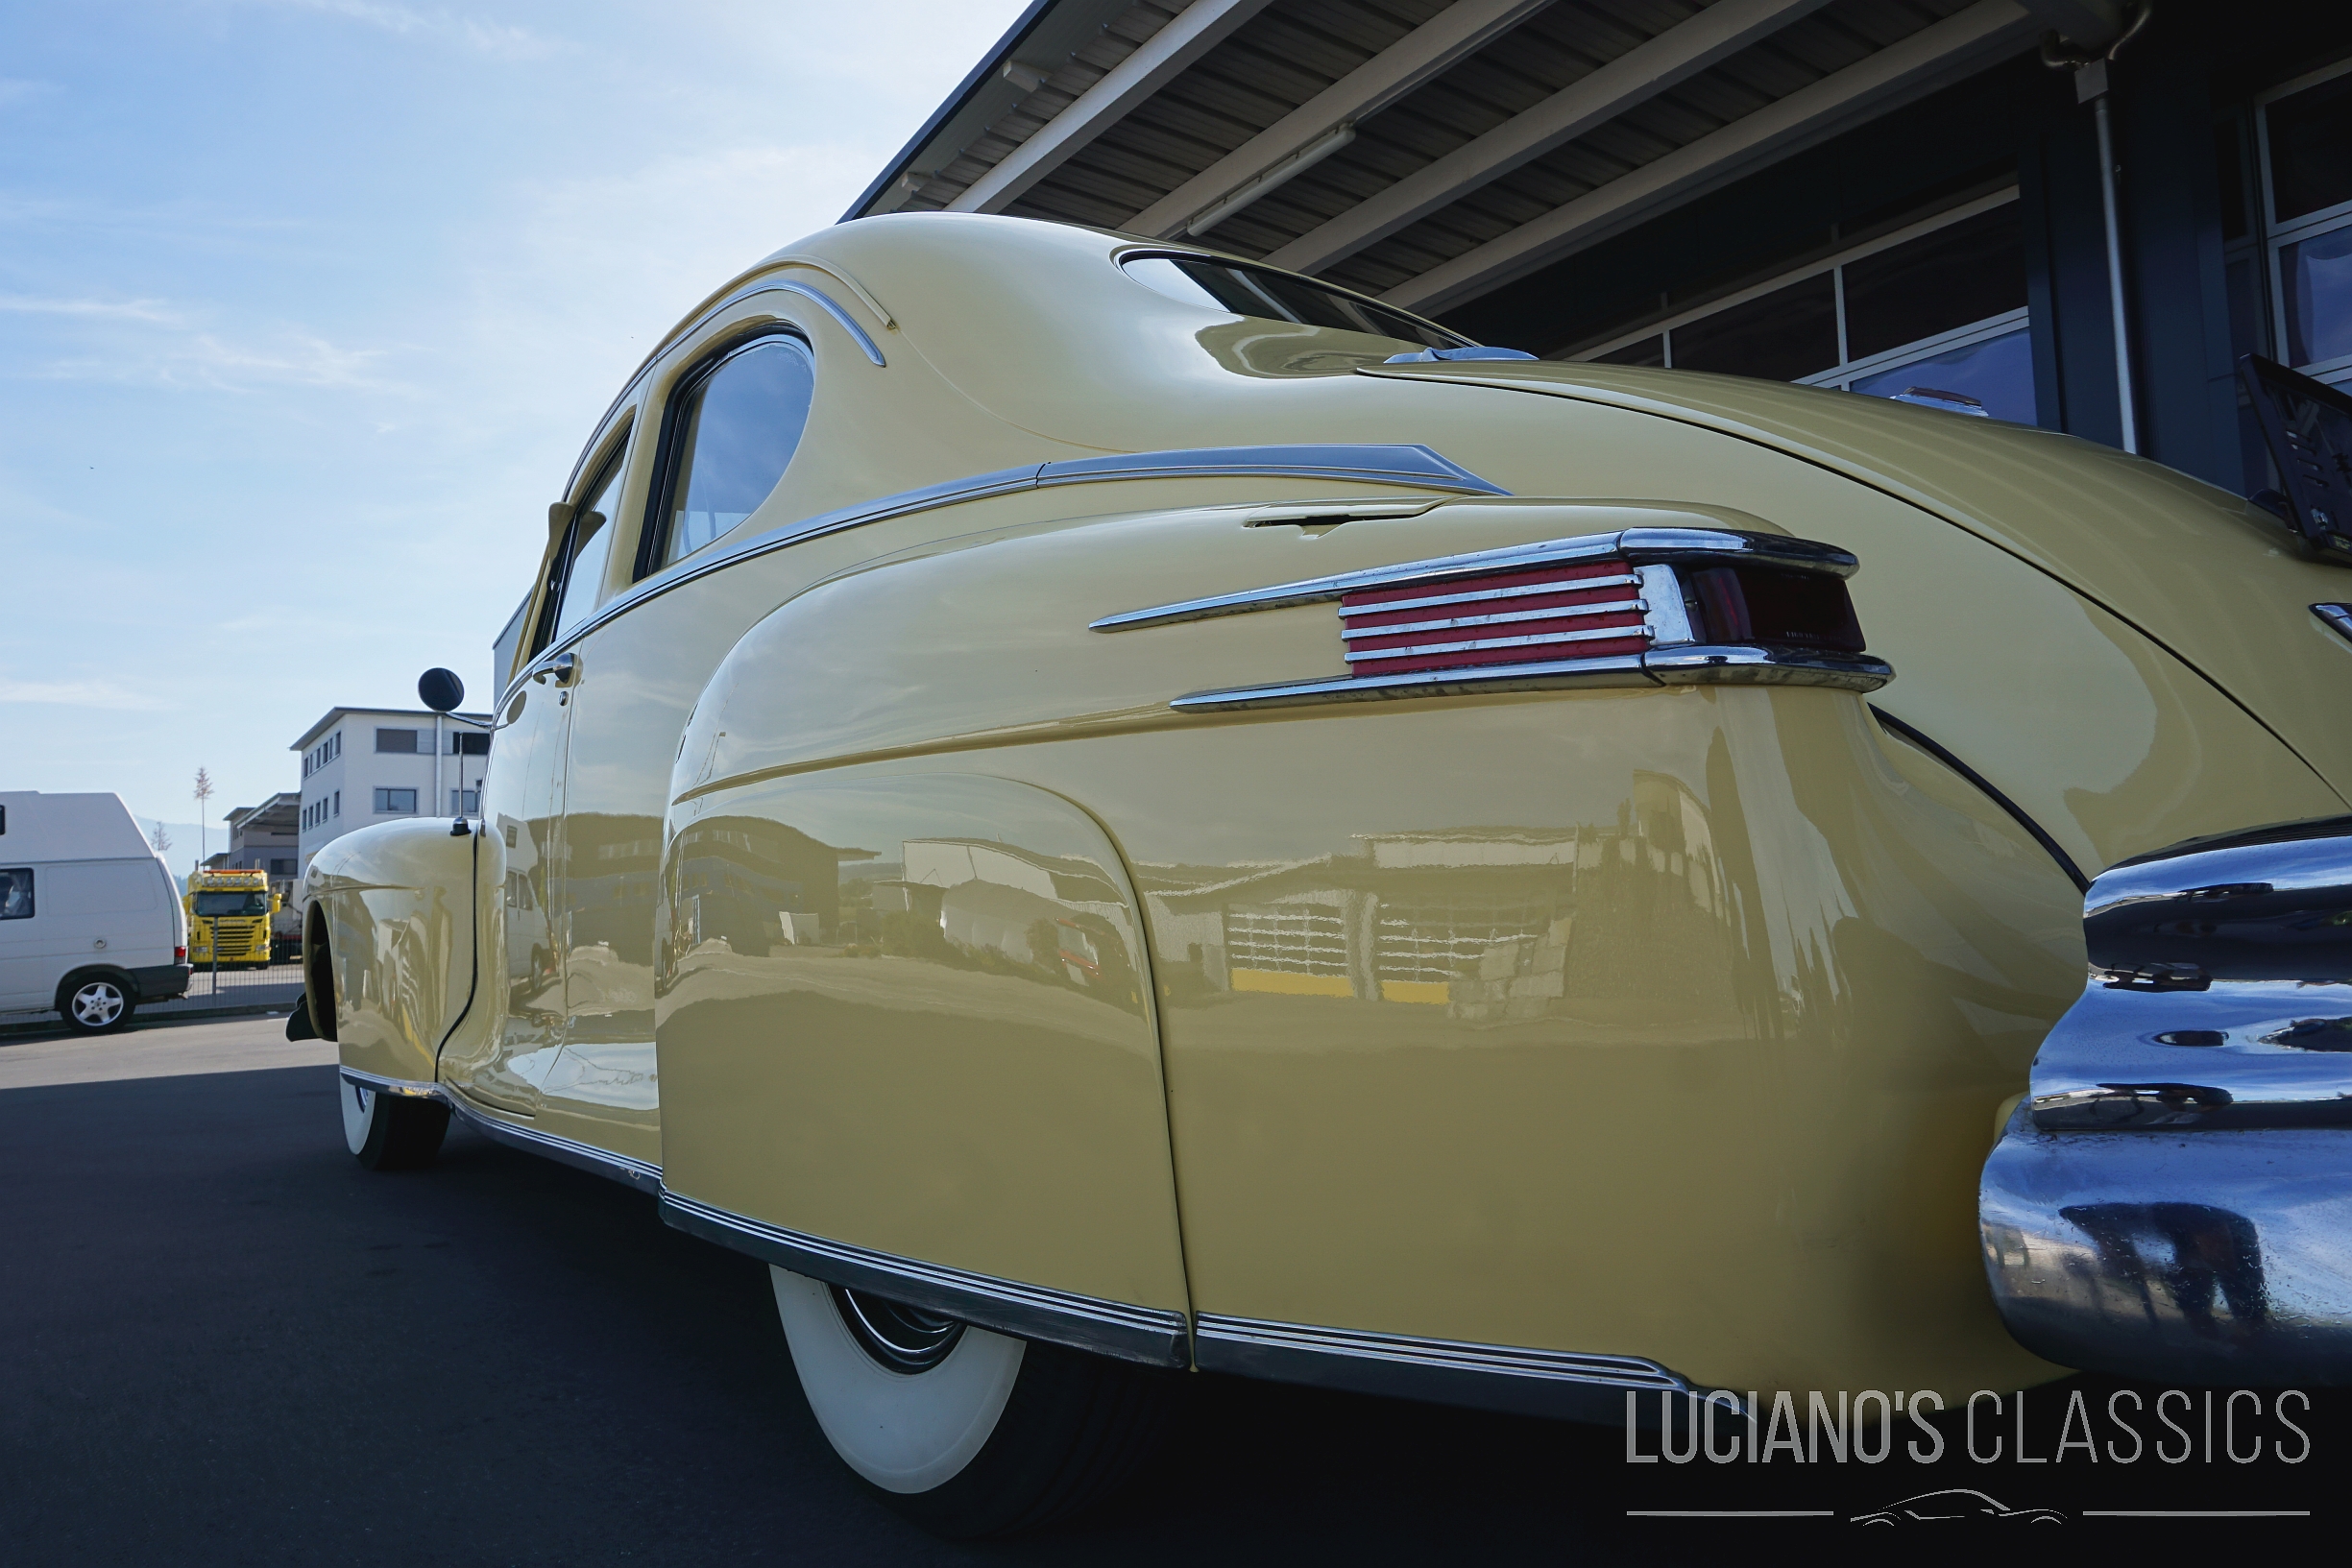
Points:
[[391, 1132], [968, 1432]]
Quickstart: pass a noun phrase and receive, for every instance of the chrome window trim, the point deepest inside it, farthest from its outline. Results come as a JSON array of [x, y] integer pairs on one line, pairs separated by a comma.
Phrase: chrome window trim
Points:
[[636, 378], [1419, 468], [1149, 1335], [1562, 1385]]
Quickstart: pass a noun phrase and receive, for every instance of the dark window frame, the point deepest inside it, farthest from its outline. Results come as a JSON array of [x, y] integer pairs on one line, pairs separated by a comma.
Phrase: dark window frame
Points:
[[556, 580], [653, 529], [31, 891]]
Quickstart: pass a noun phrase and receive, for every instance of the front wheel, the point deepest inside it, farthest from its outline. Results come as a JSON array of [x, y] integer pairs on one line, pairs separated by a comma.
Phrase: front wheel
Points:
[[392, 1132], [966, 1432], [98, 1006]]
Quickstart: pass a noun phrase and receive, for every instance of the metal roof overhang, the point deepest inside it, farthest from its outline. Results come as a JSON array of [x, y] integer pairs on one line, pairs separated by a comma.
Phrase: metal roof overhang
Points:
[[1421, 150]]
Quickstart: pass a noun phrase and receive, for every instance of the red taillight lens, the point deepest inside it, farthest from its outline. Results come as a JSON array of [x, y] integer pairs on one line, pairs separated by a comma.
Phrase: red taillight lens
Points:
[[1587, 611], [1807, 610], [179, 955]]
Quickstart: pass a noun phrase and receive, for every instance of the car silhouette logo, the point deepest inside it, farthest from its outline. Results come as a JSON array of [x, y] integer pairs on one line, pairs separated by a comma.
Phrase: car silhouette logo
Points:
[[1958, 1505]]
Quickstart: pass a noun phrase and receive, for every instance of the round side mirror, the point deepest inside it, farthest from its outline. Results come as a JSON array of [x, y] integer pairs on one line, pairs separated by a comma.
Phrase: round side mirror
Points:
[[439, 690]]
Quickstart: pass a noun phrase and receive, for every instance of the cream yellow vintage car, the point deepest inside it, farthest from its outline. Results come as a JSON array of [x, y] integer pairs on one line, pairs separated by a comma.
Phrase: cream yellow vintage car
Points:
[[1108, 811]]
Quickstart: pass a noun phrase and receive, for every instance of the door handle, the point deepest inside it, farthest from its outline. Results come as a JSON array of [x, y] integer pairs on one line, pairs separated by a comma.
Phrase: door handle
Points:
[[564, 667]]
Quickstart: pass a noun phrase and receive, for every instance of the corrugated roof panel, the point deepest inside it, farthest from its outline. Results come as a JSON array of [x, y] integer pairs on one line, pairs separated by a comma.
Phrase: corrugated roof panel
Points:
[[1789, 60]]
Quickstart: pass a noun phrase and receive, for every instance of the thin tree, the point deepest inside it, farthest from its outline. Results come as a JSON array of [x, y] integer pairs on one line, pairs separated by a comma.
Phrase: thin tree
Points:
[[203, 793], [162, 839]]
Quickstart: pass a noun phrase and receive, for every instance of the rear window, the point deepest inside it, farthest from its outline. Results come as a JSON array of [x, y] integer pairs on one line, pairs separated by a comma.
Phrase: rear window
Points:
[[1281, 297]]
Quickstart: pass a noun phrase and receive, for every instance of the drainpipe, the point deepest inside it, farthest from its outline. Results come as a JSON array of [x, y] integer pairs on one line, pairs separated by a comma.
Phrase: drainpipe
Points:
[[2090, 68]]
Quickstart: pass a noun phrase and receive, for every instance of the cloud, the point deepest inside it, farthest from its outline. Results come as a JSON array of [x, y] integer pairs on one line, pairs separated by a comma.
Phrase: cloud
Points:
[[129, 311], [105, 694], [495, 39]]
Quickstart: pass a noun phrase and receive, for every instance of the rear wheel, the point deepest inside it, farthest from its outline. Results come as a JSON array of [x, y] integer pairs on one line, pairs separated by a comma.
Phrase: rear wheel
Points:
[[966, 1432], [392, 1132], [98, 1006]]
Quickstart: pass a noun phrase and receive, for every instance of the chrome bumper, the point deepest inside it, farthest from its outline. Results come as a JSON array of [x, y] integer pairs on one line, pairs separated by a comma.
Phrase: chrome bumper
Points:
[[2172, 1199]]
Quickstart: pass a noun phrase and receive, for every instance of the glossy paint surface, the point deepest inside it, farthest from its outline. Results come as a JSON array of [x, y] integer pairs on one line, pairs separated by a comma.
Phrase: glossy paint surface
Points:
[[403, 907], [917, 1011], [1660, 1024]]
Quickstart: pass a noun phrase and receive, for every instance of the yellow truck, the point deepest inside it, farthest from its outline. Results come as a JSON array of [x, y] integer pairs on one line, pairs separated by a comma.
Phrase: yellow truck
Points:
[[238, 906]]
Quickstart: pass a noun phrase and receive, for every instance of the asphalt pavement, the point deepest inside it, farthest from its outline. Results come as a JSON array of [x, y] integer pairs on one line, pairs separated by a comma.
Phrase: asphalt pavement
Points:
[[222, 1341]]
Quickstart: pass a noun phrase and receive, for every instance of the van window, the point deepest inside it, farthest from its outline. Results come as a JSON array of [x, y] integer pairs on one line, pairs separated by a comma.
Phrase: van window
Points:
[[17, 893], [734, 426]]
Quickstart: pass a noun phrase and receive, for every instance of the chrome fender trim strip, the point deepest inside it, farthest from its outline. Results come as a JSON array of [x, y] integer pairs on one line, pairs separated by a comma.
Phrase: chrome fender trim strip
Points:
[[1562, 1385], [1413, 465], [1149, 1335], [1685, 665]]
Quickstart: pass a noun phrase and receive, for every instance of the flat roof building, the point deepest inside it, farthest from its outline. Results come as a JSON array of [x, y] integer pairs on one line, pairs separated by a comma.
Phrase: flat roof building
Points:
[[1871, 195], [370, 764]]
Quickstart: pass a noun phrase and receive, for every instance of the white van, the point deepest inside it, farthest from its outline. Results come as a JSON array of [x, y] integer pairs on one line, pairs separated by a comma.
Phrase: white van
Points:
[[90, 920]]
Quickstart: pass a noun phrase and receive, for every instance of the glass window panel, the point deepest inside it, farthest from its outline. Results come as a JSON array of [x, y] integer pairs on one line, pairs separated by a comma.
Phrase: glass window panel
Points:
[[1998, 373], [2317, 274], [736, 435], [1781, 336], [1281, 297], [1648, 351], [591, 550], [2311, 148], [17, 893], [1935, 283]]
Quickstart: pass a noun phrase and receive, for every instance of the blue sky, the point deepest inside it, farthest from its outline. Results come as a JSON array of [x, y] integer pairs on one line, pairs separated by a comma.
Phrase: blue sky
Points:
[[306, 306]]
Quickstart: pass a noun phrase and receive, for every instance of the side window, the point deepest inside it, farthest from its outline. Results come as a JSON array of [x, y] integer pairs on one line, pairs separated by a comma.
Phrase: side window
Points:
[[733, 425], [17, 893], [590, 548]]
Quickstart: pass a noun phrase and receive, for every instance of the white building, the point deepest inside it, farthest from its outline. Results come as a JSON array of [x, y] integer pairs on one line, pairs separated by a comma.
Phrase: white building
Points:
[[373, 765]]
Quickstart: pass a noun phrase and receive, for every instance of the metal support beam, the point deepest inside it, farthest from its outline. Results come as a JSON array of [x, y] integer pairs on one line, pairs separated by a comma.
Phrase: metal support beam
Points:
[[1952, 48], [1640, 74], [1198, 29], [1455, 33]]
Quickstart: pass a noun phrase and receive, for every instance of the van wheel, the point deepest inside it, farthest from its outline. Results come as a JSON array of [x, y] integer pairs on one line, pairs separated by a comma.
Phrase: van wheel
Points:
[[965, 1431], [98, 1006], [392, 1132]]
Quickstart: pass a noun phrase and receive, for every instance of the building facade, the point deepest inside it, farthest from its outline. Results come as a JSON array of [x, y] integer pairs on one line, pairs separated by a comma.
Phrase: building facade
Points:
[[1901, 198], [373, 764]]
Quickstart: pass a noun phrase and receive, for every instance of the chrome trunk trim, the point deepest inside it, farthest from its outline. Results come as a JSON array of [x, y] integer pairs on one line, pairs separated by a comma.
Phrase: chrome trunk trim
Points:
[[1150, 1334], [1661, 666], [1646, 544], [1559, 1384]]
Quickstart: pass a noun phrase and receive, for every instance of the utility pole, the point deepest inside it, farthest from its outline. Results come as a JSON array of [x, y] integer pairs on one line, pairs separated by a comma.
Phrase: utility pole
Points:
[[203, 793]]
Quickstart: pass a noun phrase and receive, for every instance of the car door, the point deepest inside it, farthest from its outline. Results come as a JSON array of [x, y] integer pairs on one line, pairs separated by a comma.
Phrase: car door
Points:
[[732, 420], [522, 803]]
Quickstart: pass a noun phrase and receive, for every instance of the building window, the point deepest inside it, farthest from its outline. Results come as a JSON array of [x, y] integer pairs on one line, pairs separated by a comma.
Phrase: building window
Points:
[[465, 803], [17, 893], [395, 741], [2301, 130], [281, 867], [1939, 306], [338, 811], [396, 800], [469, 743]]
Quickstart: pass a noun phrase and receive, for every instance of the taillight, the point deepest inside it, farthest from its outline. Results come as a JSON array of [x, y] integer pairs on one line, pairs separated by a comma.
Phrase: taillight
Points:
[[1752, 604], [1508, 617], [179, 955]]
